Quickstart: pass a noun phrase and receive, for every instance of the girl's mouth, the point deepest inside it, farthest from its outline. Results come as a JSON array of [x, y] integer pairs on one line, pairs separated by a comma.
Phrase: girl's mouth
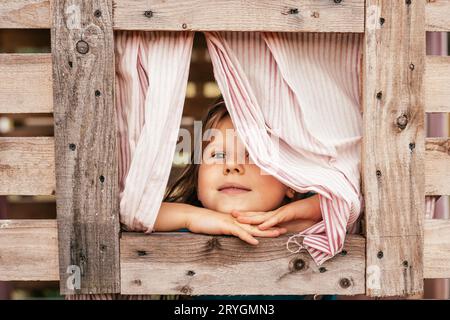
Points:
[[233, 188]]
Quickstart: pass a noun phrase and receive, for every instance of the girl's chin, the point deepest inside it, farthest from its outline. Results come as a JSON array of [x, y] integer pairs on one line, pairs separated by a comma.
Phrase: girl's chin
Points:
[[237, 207]]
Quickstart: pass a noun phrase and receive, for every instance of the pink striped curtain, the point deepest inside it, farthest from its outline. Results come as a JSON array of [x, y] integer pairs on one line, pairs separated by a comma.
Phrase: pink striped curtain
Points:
[[151, 78], [303, 90]]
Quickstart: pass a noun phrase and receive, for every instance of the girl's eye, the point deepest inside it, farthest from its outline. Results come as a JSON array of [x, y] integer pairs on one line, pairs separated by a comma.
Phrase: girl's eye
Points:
[[218, 155]]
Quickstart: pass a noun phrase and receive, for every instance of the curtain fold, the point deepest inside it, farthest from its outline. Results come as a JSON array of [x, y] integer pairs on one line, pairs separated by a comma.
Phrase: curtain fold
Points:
[[152, 69]]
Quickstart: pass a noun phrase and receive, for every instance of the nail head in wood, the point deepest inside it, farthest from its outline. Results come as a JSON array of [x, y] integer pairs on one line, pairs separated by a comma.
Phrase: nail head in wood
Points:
[[402, 121], [102, 179], [141, 253], [382, 20], [97, 13], [412, 145], [186, 290], [344, 283], [405, 263], [378, 173], [299, 264], [72, 146], [97, 93], [82, 47], [380, 254], [184, 25], [411, 66], [379, 95], [148, 13]]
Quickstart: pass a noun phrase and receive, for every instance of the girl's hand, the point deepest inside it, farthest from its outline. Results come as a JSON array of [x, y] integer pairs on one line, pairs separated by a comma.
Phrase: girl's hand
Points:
[[306, 210], [213, 222]]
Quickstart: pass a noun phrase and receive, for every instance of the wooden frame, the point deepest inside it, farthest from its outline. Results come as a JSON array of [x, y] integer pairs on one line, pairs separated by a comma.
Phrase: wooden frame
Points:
[[400, 85]]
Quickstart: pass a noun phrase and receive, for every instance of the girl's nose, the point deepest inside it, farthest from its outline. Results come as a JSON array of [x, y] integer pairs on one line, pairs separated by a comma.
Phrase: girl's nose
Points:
[[233, 168]]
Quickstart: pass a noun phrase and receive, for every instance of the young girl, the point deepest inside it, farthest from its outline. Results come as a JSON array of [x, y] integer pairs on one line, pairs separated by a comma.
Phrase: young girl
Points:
[[224, 196]]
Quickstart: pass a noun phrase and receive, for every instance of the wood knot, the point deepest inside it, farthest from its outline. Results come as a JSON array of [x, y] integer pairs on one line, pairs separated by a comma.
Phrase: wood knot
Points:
[[212, 244]]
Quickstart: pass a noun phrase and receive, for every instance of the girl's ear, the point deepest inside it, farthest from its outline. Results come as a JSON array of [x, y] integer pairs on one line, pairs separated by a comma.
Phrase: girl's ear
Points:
[[290, 193]]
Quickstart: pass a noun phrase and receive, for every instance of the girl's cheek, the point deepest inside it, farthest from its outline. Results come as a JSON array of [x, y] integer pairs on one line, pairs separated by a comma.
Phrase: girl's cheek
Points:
[[204, 183]]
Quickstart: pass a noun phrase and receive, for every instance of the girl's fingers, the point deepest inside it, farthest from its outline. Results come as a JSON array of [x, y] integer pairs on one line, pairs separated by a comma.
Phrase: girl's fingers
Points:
[[258, 219], [237, 214], [270, 233], [272, 221], [243, 235]]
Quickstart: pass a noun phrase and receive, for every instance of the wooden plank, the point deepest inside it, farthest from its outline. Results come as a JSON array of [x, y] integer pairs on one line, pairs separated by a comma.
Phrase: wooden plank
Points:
[[23, 14], [237, 15], [201, 15], [393, 146], [85, 145], [186, 263], [27, 166], [437, 166], [36, 14], [28, 250], [436, 252], [437, 16], [437, 83], [26, 85], [28, 82]]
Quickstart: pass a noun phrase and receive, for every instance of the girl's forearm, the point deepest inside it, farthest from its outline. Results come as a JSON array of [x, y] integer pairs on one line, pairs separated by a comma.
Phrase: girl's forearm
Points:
[[172, 216]]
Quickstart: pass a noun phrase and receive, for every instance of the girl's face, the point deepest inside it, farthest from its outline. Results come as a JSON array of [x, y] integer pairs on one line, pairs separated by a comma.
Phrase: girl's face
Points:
[[227, 181]]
